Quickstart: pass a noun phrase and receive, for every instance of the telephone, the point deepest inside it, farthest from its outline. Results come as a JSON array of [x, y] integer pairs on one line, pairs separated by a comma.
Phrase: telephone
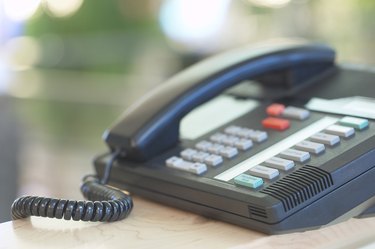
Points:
[[276, 138]]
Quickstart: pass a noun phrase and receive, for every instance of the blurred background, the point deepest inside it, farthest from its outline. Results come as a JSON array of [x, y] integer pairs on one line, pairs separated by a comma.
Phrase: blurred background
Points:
[[69, 68]]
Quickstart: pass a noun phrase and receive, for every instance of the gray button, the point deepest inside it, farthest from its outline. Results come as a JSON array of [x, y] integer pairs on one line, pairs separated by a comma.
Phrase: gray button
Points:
[[255, 135], [218, 137], [197, 168], [232, 130], [264, 172], [296, 155], [173, 161], [215, 148], [213, 160], [339, 130], [295, 113], [188, 154], [325, 138], [178, 163], [200, 156], [230, 140], [245, 133], [243, 144], [203, 145], [228, 152], [279, 163], [312, 147], [259, 136]]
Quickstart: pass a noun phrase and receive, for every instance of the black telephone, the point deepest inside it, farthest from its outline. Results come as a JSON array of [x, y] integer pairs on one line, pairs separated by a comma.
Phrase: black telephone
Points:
[[275, 138]]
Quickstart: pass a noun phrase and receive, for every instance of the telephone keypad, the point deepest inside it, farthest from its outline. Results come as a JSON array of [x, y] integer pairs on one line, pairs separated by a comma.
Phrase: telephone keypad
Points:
[[193, 167], [215, 148], [222, 145], [173, 161], [196, 168], [234, 138], [243, 144], [203, 145], [245, 133], [200, 156], [188, 154], [213, 160], [259, 136], [228, 152], [230, 140], [232, 130], [218, 137], [255, 135]]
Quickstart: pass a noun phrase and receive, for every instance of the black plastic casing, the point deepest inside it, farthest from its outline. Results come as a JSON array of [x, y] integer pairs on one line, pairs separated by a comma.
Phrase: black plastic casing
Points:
[[329, 188]]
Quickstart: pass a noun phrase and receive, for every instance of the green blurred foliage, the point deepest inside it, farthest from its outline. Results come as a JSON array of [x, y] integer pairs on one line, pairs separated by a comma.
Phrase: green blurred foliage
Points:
[[95, 16], [102, 36]]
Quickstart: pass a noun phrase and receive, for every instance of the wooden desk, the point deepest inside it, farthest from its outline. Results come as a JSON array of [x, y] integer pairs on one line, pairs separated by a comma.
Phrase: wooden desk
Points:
[[155, 226]]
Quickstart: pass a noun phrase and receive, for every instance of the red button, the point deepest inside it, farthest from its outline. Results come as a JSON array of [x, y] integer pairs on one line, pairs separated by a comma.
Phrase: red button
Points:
[[276, 123], [275, 109]]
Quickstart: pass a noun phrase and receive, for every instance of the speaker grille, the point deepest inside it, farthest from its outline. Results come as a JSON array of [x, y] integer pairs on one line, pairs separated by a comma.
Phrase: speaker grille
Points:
[[299, 186], [257, 211]]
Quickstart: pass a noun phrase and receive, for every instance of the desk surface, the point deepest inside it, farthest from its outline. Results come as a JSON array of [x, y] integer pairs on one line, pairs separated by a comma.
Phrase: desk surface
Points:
[[155, 226]]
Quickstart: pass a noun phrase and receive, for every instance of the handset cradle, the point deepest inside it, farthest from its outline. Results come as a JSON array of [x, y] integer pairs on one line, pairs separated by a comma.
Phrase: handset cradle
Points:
[[151, 125]]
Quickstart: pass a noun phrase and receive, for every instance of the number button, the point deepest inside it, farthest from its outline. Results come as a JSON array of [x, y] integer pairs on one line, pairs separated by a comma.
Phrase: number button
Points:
[[228, 152], [203, 145], [213, 160], [200, 156], [188, 154]]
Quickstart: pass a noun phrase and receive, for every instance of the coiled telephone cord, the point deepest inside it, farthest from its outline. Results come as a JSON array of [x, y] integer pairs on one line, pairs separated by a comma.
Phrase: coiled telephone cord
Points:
[[105, 203]]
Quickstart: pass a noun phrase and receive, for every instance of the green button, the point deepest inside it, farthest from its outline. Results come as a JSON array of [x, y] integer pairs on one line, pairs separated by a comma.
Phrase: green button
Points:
[[248, 181], [356, 123]]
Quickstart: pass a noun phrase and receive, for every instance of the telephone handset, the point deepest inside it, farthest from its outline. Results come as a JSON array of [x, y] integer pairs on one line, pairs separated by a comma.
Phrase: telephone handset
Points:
[[154, 119], [301, 163]]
